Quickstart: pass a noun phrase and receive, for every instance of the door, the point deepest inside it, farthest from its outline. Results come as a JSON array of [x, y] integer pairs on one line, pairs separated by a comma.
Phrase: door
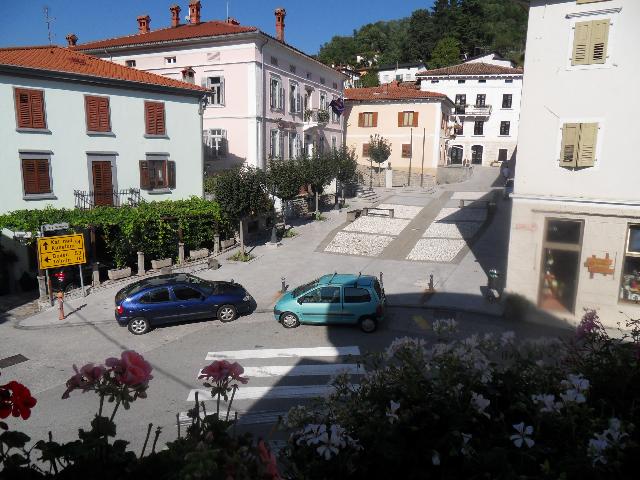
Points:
[[502, 155], [476, 154], [191, 304], [321, 305], [157, 306], [456, 154], [358, 303], [102, 182]]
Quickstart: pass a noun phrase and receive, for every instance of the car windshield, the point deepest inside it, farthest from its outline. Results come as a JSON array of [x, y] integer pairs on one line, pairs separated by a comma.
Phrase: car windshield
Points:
[[296, 292]]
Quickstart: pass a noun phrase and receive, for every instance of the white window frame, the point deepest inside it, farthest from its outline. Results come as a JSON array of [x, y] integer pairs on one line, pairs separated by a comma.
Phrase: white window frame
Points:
[[219, 142], [170, 60], [130, 63], [295, 100], [275, 143], [334, 143], [323, 100], [217, 95], [276, 93], [294, 144]]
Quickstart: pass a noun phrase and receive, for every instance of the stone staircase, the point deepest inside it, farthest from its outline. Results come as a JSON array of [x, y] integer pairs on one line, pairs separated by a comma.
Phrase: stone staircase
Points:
[[367, 195]]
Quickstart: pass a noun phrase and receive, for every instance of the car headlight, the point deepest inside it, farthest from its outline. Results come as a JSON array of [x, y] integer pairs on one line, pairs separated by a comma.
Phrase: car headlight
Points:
[[247, 297]]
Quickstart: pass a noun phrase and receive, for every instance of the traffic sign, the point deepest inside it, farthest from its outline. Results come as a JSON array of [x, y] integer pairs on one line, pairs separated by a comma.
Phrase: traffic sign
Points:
[[61, 250], [51, 227]]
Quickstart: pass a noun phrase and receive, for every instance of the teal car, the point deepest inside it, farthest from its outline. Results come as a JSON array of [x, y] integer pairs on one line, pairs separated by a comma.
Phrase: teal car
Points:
[[334, 299]]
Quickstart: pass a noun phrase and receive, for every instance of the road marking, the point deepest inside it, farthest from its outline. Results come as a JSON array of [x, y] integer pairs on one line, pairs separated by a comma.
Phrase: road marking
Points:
[[284, 353], [301, 370], [244, 418], [268, 393]]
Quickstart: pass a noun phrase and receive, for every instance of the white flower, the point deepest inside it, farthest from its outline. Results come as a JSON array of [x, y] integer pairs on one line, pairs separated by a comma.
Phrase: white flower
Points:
[[329, 440], [507, 338], [523, 435], [400, 343], [596, 449], [480, 403], [471, 342], [445, 326], [326, 451], [391, 411], [576, 386], [466, 449], [435, 458], [548, 403]]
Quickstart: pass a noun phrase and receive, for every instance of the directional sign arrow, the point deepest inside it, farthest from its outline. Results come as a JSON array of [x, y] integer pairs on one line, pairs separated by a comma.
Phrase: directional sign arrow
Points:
[[46, 259], [45, 245]]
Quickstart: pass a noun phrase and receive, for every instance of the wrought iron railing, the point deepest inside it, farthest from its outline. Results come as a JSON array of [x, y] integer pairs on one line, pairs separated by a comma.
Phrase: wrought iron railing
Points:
[[86, 200]]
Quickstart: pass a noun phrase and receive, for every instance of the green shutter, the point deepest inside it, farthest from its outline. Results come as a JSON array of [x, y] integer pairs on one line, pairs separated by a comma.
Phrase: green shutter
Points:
[[581, 43], [569, 150], [598, 41], [587, 144]]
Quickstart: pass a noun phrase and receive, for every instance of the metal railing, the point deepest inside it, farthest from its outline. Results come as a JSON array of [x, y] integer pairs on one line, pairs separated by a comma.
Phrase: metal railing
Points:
[[86, 200], [473, 110], [317, 115]]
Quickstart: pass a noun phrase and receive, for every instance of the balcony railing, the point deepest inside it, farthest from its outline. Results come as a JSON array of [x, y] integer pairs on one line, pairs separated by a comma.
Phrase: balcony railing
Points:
[[473, 110], [317, 116], [87, 200]]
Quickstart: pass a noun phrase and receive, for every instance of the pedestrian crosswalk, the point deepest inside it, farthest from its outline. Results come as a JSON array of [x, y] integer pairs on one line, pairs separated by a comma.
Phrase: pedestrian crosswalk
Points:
[[280, 378]]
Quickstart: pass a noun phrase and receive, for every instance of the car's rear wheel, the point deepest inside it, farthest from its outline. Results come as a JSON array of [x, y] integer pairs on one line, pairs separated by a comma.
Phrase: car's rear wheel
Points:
[[227, 313], [139, 326], [368, 324], [289, 320]]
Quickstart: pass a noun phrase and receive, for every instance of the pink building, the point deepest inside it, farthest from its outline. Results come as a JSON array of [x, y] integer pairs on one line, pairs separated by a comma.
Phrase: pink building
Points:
[[267, 99]]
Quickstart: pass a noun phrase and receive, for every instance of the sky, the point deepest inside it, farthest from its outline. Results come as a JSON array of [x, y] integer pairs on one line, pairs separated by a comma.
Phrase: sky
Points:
[[308, 24]]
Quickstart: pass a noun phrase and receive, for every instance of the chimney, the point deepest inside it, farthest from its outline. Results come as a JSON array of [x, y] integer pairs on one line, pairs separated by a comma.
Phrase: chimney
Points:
[[175, 15], [72, 39], [143, 23], [280, 14], [233, 21], [194, 12]]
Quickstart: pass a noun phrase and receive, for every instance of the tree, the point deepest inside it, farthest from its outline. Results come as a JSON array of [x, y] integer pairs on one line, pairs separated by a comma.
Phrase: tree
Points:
[[284, 180], [370, 79], [379, 151], [318, 171], [346, 166], [445, 53], [242, 192], [421, 37]]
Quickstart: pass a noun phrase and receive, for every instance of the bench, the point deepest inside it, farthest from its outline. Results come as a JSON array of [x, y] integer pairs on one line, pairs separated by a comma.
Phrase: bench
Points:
[[373, 211], [353, 214]]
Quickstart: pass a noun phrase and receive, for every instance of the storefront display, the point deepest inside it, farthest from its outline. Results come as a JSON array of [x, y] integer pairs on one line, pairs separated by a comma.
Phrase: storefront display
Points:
[[630, 285]]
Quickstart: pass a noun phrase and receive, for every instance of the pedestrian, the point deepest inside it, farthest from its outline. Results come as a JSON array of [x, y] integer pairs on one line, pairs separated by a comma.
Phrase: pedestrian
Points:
[[505, 172]]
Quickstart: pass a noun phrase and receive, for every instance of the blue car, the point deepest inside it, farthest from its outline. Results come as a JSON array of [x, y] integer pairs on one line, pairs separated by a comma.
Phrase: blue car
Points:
[[178, 297], [334, 299]]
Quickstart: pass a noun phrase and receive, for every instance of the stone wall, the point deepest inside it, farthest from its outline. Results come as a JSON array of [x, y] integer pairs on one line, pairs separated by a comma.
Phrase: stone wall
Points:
[[453, 174]]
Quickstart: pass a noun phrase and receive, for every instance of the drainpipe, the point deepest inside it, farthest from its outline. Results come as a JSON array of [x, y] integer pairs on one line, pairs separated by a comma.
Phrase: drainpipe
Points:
[[260, 149], [201, 108]]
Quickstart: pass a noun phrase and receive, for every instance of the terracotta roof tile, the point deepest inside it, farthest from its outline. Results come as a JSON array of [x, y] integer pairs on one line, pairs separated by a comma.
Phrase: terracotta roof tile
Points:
[[58, 59], [181, 32], [473, 68], [389, 91]]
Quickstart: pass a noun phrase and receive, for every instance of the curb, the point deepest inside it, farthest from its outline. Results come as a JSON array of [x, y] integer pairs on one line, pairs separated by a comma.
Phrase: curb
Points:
[[477, 311]]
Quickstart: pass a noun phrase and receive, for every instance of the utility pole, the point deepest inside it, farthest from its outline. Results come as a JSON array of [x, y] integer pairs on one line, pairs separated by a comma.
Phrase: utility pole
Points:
[[48, 20], [410, 158]]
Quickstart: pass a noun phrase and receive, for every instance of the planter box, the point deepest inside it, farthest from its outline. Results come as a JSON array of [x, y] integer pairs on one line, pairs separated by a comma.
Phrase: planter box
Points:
[[198, 254], [227, 243], [353, 214], [163, 262], [117, 274]]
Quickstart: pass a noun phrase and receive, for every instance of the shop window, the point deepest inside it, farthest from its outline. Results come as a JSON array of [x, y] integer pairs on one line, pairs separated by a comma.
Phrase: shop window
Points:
[[630, 289], [560, 265]]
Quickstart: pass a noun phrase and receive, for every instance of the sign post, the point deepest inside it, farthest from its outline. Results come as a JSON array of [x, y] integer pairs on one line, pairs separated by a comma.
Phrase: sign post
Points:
[[62, 251]]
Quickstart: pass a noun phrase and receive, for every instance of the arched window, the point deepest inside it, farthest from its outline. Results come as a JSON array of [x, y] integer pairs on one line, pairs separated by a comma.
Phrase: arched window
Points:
[[476, 154], [456, 154]]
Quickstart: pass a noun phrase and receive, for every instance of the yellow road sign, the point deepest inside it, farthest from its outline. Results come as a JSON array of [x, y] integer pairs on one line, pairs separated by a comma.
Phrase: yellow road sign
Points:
[[61, 251]]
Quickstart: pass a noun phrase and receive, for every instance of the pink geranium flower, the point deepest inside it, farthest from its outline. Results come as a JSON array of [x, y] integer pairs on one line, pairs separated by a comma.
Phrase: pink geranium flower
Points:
[[84, 379], [222, 371], [130, 369]]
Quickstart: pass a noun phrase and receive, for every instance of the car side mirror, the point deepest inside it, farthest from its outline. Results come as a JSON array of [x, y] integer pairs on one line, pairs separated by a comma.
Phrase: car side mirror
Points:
[[300, 301]]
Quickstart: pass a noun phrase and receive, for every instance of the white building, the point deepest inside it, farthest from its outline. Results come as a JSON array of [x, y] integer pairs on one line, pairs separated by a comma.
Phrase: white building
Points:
[[400, 72], [76, 130], [487, 99], [267, 98], [493, 58], [575, 231]]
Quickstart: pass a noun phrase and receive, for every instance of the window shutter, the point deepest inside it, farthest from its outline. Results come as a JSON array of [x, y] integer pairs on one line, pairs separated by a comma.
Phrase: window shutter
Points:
[[587, 144], [581, 42], [569, 150], [104, 122], [598, 44], [160, 121], [375, 119], [23, 108], [406, 150], [145, 181], [44, 182], [171, 173], [150, 118], [36, 98], [91, 111], [29, 176], [415, 119], [400, 119], [361, 119], [365, 149], [221, 90]]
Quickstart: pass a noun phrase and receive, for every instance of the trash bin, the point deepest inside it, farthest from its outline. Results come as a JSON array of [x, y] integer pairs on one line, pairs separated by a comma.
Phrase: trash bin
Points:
[[493, 279]]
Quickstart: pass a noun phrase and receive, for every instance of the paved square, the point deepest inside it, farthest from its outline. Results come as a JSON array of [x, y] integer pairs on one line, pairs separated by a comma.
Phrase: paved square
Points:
[[470, 195], [402, 211], [452, 230], [379, 225], [436, 250], [358, 244], [450, 215]]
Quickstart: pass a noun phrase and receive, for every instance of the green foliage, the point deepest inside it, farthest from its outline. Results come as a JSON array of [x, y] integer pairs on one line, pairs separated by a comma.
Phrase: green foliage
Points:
[[370, 79], [284, 179], [241, 192], [289, 233], [379, 148], [151, 227], [345, 163], [479, 26], [317, 170], [445, 53], [241, 257]]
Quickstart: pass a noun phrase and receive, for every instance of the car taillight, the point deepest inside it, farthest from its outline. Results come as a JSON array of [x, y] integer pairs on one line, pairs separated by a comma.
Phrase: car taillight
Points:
[[119, 309], [59, 276]]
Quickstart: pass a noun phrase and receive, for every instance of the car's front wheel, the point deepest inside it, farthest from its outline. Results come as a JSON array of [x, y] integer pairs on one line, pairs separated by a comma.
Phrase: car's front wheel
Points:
[[368, 324], [289, 320], [227, 313], [139, 326]]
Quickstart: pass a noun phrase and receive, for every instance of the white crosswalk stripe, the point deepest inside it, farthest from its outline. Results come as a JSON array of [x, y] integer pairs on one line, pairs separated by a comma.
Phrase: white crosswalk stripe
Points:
[[296, 377]]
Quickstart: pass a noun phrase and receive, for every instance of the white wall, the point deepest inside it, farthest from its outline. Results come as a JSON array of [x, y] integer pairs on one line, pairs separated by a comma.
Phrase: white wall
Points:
[[556, 92], [408, 74], [70, 144], [494, 88]]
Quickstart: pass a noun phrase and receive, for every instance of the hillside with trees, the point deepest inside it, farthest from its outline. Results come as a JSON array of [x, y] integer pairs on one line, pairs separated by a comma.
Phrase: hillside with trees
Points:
[[437, 36]]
